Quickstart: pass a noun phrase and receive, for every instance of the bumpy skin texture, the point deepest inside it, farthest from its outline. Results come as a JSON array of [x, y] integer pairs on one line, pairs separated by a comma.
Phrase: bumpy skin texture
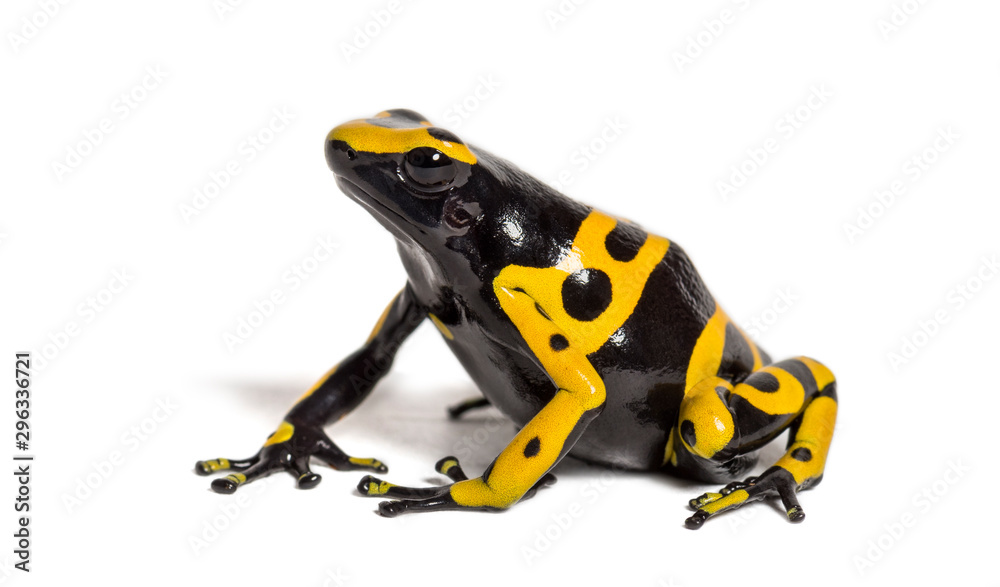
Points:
[[596, 338]]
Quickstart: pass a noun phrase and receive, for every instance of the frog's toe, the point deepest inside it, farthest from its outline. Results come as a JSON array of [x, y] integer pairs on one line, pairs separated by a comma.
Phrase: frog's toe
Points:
[[308, 481], [304, 478], [374, 487], [336, 459], [707, 498], [367, 464], [391, 509], [210, 466], [230, 483], [226, 485], [449, 467]]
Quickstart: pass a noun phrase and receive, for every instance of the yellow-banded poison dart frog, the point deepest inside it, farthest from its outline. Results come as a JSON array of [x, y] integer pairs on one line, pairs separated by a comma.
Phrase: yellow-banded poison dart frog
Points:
[[595, 337]]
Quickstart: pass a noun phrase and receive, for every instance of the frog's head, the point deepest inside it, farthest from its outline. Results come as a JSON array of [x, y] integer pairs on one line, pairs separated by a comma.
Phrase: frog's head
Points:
[[411, 176], [464, 206]]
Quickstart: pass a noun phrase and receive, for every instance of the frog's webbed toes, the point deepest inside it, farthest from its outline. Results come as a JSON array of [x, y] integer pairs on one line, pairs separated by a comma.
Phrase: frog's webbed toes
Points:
[[289, 449], [776, 481]]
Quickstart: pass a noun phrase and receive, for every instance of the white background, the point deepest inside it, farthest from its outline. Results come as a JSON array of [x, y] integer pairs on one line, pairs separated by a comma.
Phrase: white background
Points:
[[553, 86]]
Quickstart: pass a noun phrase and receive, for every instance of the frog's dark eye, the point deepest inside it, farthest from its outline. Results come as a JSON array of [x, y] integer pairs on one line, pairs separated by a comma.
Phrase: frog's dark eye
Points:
[[429, 168]]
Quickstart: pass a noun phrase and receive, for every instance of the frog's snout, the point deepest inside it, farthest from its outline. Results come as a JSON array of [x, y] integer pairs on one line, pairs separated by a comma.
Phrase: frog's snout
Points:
[[339, 154]]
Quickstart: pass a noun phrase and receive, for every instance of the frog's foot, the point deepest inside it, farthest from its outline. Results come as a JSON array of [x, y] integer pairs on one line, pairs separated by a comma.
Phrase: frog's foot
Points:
[[455, 412], [432, 498], [776, 481], [289, 448], [799, 394]]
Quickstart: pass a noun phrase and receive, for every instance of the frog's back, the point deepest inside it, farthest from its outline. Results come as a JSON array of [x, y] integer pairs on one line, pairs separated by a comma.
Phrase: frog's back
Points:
[[644, 359]]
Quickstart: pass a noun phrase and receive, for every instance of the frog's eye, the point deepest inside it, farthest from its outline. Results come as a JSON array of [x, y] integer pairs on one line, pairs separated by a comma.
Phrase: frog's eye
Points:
[[429, 168]]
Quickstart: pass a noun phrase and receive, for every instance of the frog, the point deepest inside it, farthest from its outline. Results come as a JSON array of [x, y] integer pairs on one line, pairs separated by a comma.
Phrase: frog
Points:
[[597, 339]]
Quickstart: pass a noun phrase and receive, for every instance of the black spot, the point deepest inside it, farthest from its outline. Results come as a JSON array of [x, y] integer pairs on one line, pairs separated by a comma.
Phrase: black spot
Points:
[[586, 294], [764, 381], [444, 135], [531, 449], [558, 342], [623, 243], [802, 454], [687, 432]]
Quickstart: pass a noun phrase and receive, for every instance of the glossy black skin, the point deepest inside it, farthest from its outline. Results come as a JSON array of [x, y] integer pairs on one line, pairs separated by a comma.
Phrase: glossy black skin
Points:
[[454, 243]]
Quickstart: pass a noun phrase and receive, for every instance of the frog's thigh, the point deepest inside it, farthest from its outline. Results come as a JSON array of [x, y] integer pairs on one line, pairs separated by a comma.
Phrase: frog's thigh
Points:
[[769, 398]]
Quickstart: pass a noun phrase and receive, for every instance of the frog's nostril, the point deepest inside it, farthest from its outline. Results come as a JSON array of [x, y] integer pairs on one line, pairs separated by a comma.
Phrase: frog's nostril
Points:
[[336, 150]]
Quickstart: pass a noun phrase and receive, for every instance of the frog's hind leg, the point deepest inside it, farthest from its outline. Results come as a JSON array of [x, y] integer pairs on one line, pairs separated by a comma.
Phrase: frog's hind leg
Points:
[[428, 498], [799, 394]]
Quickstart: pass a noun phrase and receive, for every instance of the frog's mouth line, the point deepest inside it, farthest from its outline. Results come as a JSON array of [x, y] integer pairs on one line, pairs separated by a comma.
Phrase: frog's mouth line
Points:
[[390, 218]]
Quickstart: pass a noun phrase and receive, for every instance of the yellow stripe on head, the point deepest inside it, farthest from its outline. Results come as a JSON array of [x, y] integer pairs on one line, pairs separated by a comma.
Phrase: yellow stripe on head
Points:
[[398, 131]]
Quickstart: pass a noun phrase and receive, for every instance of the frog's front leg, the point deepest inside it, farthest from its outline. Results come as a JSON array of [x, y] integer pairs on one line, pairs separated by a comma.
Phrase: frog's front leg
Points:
[[720, 422], [539, 445], [300, 435], [521, 467]]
